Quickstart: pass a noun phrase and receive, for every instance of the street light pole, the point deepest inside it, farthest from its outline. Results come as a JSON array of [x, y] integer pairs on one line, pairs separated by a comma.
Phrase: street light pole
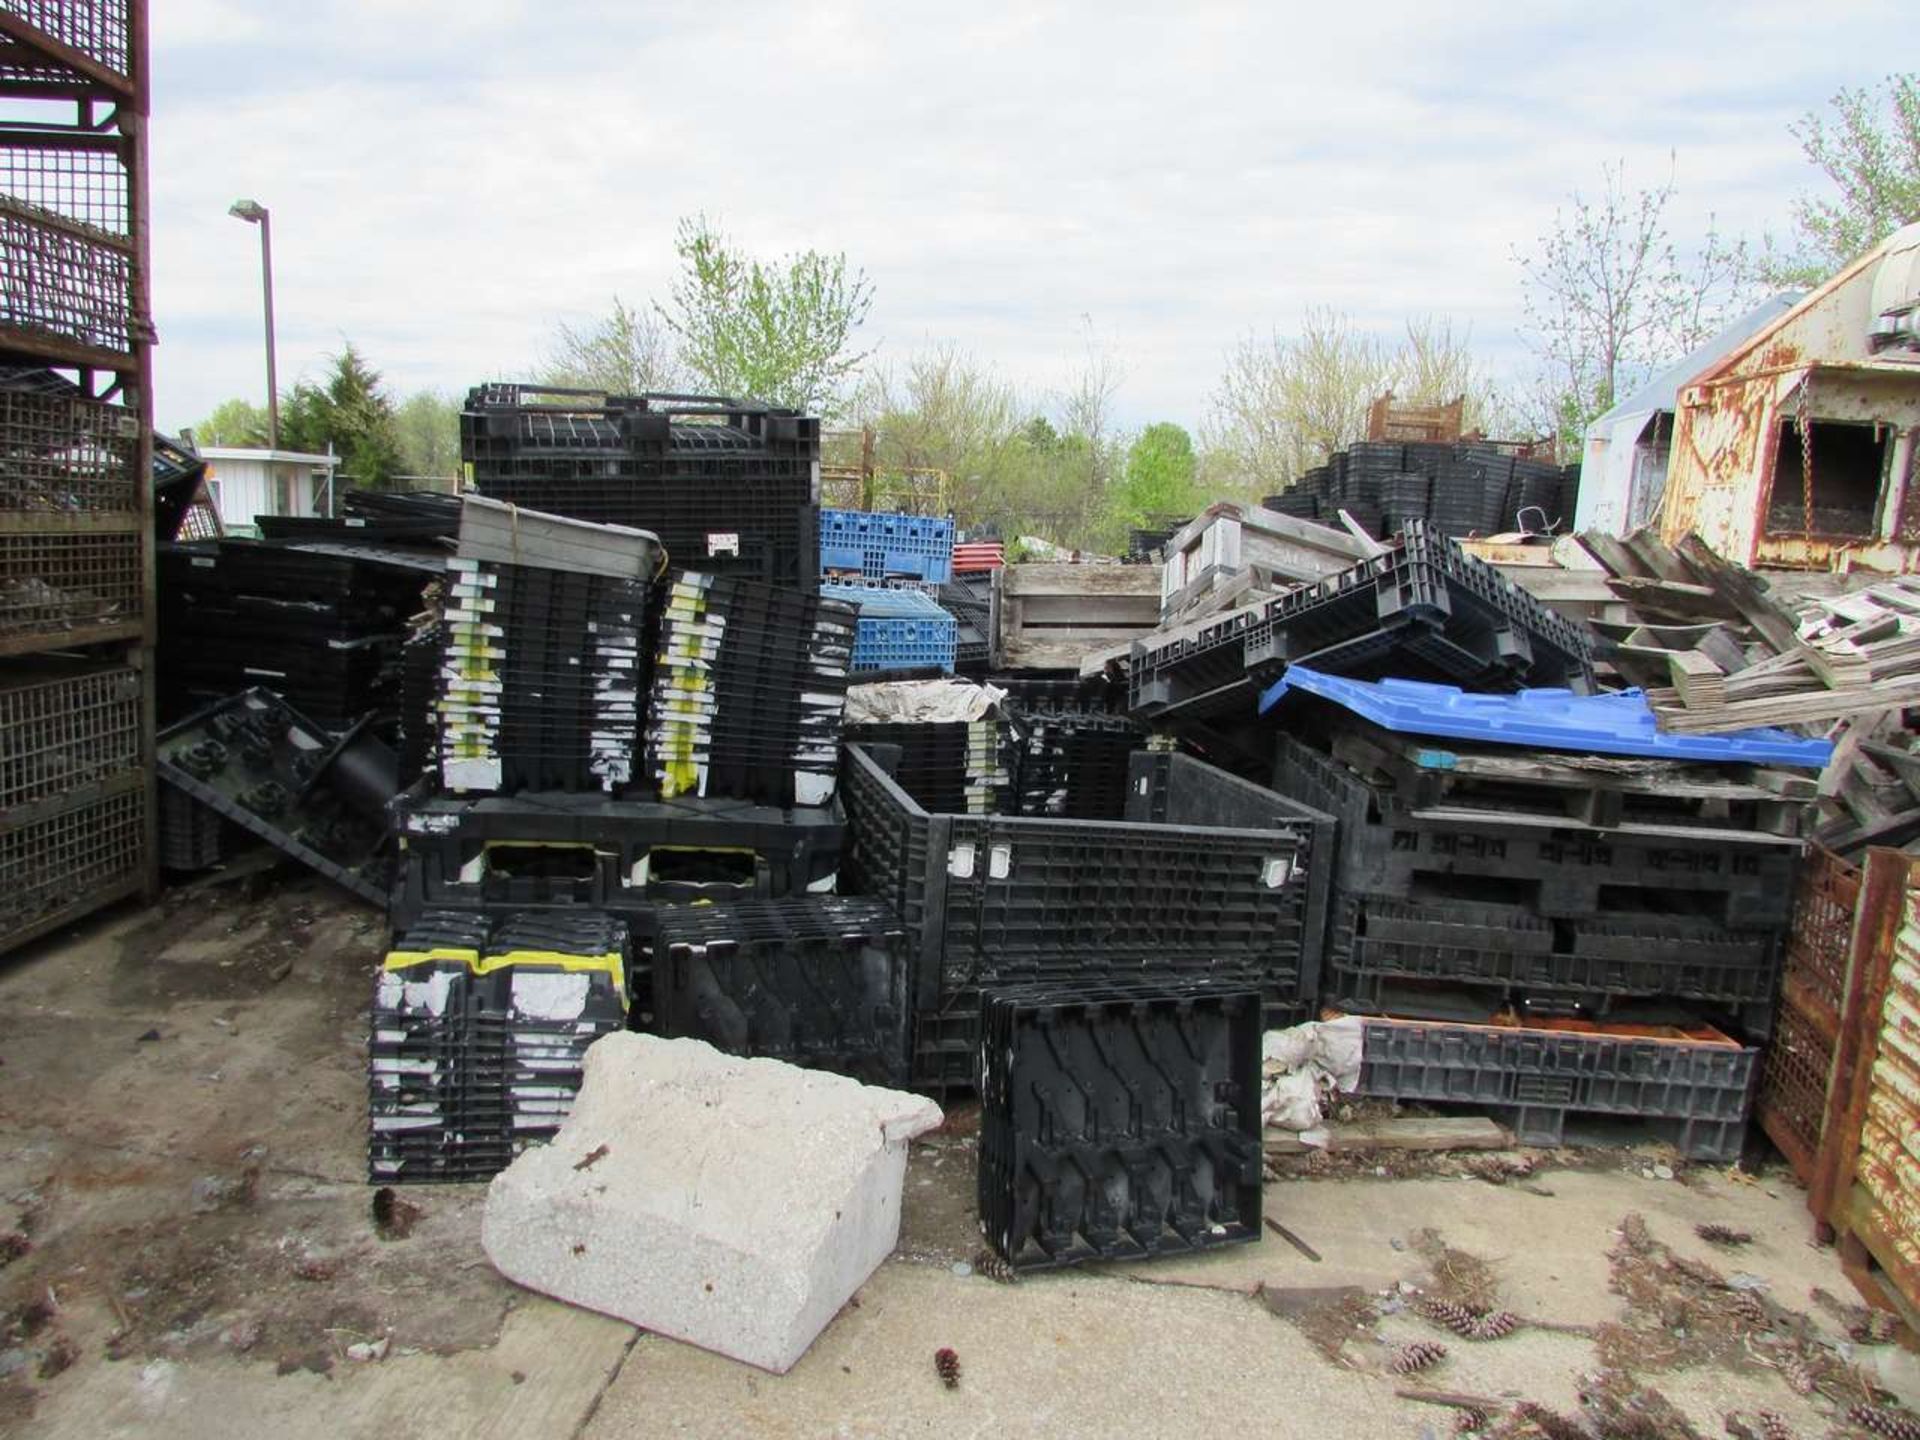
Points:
[[254, 213]]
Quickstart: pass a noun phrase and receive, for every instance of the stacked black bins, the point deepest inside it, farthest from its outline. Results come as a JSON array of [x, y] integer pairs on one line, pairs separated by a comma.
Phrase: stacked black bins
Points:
[[480, 1032], [1579, 944], [76, 331], [1119, 1122], [748, 692], [729, 486]]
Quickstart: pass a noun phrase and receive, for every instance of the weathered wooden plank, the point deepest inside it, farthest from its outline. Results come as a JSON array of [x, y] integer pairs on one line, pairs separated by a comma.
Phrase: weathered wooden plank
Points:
[[1408, 1132]]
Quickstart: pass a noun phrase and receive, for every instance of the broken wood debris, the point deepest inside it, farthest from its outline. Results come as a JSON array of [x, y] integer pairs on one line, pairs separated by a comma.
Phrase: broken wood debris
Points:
[[1717, 650]]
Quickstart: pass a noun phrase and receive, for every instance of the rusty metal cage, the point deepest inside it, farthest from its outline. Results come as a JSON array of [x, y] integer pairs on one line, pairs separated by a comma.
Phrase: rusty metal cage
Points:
[[1796, 1073], [71, 587], [82, 179], [67, 864], [61, 453], [65, 728], [100, 30], [60, 280]]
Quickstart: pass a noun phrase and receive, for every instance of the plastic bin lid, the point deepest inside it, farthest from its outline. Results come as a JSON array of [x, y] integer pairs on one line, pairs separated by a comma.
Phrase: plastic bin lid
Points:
[[1620, 723]]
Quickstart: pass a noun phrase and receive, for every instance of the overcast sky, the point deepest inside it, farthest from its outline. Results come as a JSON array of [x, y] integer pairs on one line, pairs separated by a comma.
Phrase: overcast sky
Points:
[[449, 180]]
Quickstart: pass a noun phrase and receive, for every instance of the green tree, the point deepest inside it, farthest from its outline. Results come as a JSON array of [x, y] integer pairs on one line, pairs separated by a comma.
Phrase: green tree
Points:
[[233, 422], [1869, 150], [1158, 483], [352, 414], [778, 332], [427, 430], [1609, 297], [629, 352]]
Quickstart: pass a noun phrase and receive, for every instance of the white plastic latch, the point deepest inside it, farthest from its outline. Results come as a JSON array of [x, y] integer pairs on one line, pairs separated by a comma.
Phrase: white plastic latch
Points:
[[1275, 871], [1000, 862], [960, 861]]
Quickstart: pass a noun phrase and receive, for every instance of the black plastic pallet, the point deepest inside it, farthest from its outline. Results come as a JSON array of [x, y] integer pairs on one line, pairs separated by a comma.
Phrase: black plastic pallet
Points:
[[1558, 872], [558, 850], [1119, 1123], [259, 763], [1423, 610]]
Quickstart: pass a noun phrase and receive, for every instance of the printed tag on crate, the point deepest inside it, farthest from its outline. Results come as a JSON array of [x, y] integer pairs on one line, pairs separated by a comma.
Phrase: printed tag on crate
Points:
[[723, 542]]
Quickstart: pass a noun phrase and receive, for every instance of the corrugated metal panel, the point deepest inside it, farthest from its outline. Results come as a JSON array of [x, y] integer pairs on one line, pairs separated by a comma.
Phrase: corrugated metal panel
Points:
[[1875, 1136]]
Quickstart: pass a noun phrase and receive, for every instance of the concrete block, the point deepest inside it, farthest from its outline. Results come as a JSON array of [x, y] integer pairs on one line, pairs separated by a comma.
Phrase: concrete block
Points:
[[734, 1204]]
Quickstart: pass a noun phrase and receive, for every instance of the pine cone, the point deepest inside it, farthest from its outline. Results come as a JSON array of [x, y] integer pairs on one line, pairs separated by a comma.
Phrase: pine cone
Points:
[[1773, 1426], [990, 1264], [1884, 1421], [1749, 1309], [1447, 1314], [1421, 1355], [1876, 1327], [1634, 1237], [1470, 1421], [1798, 1375], [1494, 1325], [1723, 1235], [947, 1364]]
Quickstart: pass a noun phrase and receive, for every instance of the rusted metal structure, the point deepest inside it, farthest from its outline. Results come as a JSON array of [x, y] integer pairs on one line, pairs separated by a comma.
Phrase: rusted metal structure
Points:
[[1840, 1089], [76, 456], [1797, 449], [1390, 419]]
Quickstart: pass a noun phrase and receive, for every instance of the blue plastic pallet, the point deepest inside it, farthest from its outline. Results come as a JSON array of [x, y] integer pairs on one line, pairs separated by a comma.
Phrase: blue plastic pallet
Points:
[[878, 545], [1621, 723], [898, 629]]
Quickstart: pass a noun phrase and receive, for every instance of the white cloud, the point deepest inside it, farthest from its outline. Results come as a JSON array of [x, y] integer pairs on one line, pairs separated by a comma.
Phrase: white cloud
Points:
[[447, 180]]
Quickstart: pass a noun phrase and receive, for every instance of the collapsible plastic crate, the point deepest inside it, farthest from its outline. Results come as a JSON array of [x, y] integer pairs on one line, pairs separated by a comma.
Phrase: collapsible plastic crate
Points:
[[1692, 1089], [874, 545], [726, 486], [1119, 1123], [995, 901], [820, 981], [898, 629]]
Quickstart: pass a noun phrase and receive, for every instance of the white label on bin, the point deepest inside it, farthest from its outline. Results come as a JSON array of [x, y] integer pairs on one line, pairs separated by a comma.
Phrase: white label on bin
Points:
[[1275, 871], [1000, 862], [723, 542], [960, 861]]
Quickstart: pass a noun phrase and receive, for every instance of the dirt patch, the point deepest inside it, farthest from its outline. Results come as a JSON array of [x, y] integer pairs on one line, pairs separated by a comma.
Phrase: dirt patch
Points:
[[236, 942], [939, 1216], [1454, 1275], [1330, 1317], [282, 1281]]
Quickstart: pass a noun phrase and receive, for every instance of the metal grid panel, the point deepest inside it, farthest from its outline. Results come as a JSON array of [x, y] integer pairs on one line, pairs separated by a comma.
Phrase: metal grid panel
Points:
[[1795, 1071], [64, 866], [61, 453], [59, 733], [1796, 1074], [63, 282], [81, 183], [98, 29], [1822, 930], [54, 584]]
